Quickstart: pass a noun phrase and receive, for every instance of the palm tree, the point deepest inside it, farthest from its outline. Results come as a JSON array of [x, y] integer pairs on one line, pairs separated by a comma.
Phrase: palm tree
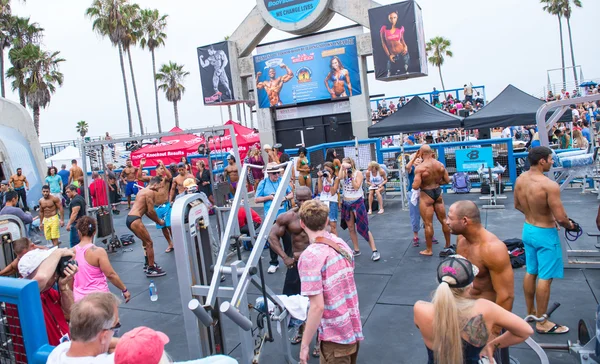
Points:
[[152, 35], [567, 11], [554, 7], [108, 21], [22, 33], [82, 128], [171, 76], [131, 12], [437, 48], [5, 42], [41, 76]]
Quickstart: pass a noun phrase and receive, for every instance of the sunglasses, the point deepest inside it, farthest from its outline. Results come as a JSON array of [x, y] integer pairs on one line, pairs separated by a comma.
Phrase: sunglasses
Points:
[[115, 329]]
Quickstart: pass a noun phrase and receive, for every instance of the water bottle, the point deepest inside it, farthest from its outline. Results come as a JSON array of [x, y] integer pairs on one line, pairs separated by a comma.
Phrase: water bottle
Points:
[[153, 292]]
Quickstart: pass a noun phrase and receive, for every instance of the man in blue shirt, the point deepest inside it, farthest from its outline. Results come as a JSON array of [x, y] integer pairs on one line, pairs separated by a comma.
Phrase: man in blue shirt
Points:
[[586, 131], [64, 175], [265, 193]]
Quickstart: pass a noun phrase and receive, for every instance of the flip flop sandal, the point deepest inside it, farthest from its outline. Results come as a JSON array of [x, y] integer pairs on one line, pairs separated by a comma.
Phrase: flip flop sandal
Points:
[[169, 250], [552, 331], [296, 339]]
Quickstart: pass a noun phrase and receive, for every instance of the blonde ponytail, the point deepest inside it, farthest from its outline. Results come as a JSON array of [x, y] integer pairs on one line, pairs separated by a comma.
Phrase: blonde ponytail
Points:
[[447, 341]]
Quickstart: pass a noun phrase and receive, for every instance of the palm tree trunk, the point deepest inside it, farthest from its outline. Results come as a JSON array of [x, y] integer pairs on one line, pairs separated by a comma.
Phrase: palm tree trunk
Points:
[[2, 86], [36, 119], [176, 114], [22, 97], [125, 88], [572, 52], [562, 53], [442, 80], [135, 95], [156, 92]]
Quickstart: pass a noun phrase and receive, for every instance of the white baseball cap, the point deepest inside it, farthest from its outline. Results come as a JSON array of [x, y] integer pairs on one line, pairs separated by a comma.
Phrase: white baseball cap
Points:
[[267, 146], [32, 260]]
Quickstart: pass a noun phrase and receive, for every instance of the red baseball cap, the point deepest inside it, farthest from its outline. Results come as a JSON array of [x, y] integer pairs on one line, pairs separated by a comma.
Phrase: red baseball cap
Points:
[[140, 345]]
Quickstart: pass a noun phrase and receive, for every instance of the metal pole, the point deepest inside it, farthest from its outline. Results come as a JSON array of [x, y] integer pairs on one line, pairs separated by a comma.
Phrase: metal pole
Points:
[[402, 171], [84, 166]]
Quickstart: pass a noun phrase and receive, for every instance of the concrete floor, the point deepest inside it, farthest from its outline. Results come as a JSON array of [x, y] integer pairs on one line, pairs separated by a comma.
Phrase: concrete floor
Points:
[[387, 289]]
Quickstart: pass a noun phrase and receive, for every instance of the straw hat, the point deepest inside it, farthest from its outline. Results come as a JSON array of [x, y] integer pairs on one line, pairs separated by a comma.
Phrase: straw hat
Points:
[[272, 168]]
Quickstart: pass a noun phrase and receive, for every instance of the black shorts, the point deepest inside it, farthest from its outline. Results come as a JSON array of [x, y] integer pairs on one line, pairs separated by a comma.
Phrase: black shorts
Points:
[[292, 285], [130, 220]]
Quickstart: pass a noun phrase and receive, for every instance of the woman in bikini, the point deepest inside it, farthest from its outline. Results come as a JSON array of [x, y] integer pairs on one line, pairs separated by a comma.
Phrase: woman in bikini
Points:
[[456, 328], [303, 168], [339, 76], [394, 46]]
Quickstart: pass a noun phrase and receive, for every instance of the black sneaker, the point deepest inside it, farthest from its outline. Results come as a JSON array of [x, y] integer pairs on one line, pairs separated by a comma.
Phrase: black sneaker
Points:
[[145, 268], [155, 271]]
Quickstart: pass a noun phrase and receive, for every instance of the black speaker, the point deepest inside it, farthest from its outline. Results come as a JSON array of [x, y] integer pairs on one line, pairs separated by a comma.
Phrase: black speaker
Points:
[[463, 113], [485, 133], [333, 123]]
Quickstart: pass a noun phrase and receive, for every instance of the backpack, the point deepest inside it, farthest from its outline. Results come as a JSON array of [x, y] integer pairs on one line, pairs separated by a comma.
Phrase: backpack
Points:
[[516, 252], [127, 239], [461, 183]]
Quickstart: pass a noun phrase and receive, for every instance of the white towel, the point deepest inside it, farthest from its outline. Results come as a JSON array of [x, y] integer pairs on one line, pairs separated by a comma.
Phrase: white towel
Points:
[[414, 197], [296, 305]]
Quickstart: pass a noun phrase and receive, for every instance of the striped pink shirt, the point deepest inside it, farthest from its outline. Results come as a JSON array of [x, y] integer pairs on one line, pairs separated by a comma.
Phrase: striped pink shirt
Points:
[[323, 270]]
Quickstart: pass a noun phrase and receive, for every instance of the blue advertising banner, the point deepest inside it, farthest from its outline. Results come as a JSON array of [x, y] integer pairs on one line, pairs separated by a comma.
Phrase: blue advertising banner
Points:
[[290, 11], [320, 71], [468, 160]]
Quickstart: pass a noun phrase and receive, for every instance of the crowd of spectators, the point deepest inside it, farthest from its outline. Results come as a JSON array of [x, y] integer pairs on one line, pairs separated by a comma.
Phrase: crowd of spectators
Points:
[[584, 91]]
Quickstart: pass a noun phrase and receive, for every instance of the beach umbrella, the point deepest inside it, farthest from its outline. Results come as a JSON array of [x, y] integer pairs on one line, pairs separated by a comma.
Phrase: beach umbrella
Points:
[[588, 84]]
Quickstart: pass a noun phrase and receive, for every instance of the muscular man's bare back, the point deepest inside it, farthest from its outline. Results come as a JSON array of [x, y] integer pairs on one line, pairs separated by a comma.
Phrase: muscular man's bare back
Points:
[[432, 174], [532, 193]]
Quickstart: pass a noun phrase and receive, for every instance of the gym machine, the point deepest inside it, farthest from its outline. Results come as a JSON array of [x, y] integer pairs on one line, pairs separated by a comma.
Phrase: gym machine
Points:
[[11, 229], [205, 301]]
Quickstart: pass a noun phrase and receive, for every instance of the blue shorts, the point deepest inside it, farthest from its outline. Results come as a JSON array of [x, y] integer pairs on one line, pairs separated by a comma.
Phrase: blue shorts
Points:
[[164, 212], [333, 211], [543, 253], [131, 189]]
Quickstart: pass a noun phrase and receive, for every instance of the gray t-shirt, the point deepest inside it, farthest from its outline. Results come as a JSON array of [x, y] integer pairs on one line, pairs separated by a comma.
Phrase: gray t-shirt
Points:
[[11, 210]]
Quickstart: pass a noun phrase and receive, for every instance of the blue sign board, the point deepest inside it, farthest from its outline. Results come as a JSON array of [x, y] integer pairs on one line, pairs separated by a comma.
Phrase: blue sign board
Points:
[[291, 11], [468, 160], [321, 71]]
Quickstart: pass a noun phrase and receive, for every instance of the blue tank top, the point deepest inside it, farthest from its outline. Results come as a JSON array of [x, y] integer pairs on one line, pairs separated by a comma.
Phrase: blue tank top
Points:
[[470, 353]]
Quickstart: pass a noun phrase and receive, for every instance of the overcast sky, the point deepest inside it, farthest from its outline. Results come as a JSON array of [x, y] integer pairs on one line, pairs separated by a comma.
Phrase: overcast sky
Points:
[[495, 42]]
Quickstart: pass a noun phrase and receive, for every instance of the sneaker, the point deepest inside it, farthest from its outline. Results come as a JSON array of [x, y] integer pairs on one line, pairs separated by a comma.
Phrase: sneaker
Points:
[[155, 271], [375, 256], [356, 253], [145, 268], [272, 269], [434, 240], [415, 241]]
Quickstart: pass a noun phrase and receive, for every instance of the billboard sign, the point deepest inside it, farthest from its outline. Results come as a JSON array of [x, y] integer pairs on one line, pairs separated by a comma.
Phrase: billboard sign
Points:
[[398, 41], [215, 73], [322, 71], [469, 160], [290, 11]]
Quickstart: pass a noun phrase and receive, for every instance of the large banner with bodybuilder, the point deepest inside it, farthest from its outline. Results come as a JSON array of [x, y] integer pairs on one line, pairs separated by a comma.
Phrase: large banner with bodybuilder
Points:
[[320, 71], [398, 41]]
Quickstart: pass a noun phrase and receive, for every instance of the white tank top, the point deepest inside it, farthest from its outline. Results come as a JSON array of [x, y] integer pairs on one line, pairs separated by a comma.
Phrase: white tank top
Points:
[[326, 193], [349, 192], [376, 178]]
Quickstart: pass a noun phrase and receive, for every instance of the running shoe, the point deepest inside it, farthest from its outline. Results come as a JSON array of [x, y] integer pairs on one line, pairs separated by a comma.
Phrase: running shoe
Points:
[[434, 240], [155, 271], [357, 253], [415, 241], [145, 268], [272, 269], [375, 256]]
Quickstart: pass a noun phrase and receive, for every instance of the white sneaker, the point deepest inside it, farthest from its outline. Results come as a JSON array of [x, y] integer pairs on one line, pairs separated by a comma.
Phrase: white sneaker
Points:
[[375, 256], [272, 269]]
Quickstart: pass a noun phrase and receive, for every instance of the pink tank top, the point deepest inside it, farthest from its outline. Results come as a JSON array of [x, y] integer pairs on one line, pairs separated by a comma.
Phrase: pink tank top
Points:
[[89, 279], [392, 36]]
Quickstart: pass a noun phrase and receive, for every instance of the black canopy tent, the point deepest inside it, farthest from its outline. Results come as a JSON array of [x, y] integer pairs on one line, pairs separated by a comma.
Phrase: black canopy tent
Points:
[[512, 107], [417, 115]]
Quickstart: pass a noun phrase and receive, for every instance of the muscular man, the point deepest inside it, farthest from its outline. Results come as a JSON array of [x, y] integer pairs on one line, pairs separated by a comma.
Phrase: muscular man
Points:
[[51, 215], [20, 184], [231, 172], [218, 59], [538, 198], [144, 205], [162, 204], [428, 177], [394, 46], [274, 84], [21, 247], [75, 173], [289, 222], [128, 176], [177, 186]]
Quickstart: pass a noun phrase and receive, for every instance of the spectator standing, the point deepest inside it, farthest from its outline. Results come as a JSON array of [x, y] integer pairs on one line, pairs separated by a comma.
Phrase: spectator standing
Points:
[[327, 188], [75, 173], [94, 323], [98, 191], [77, 207], [20, 184], [3, 191], [257, 160], [585, 131], [203, 180], [265, 193], [468, 91], [55, 182], [326, 271], [435, 96], [94, 266]]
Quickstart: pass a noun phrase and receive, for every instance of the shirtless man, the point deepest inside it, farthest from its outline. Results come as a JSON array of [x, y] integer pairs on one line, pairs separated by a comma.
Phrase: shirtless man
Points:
[[428, 177], [144, 205], [273, 85], [75, 172], [394, 46], [21, 247], [162, 204], [128, 176], [231, 172], [51, 215], [20, 184], [538, 198], [290, 222], [217, 59], [177, 186]]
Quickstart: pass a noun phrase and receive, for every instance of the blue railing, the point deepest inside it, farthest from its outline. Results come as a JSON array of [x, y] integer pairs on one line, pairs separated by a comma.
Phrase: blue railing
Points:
[[324, 147], [455, 92]]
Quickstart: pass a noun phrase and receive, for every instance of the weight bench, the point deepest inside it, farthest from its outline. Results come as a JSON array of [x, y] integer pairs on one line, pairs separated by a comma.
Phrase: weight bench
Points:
[[597, 235]]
